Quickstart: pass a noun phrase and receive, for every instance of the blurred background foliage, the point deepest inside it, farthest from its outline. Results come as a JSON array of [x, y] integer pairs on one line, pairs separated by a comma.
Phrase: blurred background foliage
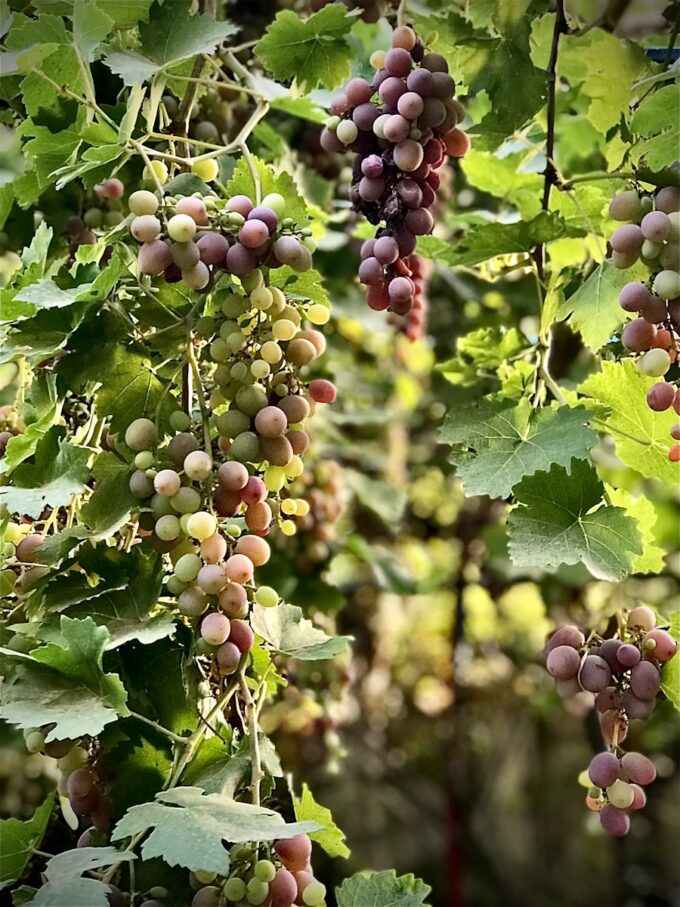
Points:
[[440, 745]]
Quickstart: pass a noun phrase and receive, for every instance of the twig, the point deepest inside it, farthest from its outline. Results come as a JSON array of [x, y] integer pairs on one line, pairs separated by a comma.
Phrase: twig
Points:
[[256, 774], [205, 416], [671, 41], [176, 738]]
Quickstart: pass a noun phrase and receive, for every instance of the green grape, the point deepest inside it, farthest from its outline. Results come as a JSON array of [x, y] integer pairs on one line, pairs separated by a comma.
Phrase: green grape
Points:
[[256, 892], [187, 500], [141, 434], [143, 202], [252, 281], [181, 228], [251, 400], [654, 363], [236, 341], [264, 870], [205, 326], [168, 528], [174, 585], [246, 448], [314, 894], [234, 889], [180, 421], [144, 459], [231, 423], [239, 371], [34, 740], [187, 567], [276, 202], [219, 350], [233, 530], [204, 877], [160, 506], [266, 596], [271, 352], [262, 298], [201, 525], [620, 794], [227, 328], [234, 305], [192, 602], [667, 284], [198, 465]]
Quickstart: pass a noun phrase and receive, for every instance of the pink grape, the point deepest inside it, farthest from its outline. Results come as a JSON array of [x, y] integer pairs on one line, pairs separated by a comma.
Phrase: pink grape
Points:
[[213, 248], [400, 289], [145, 228], [241, 635], [239, 568], [645, 680], [660, 396], [390, 91], [563, 662], [410, 105], [594, 674], [254, 491], [370, 271], [240, 204], [615, 821], [386, 250], [638, 768], [665, 647], [639, 797], [253, 234], [266, 215], [294, 852], [254, 548], [283, 889], [233, 600], [195, 208], [232, 475], [668, 199], [372, 167], [364, 116], [154, 257], [396, 128], [213, 549], [358, 91], [419, 221], [111, 188], [655, 226], [398, 62], [408, 155], [228, 658], [339, 105], [642, 617], [627, 239], [603, 769], [638, 335], [211, 579], [634, 296], [240, 260], [215, 629], [271, 422], [405, 37], [322, 391]]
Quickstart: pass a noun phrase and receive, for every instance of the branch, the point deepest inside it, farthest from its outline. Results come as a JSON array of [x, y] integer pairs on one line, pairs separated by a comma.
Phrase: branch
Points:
[[256, 774]]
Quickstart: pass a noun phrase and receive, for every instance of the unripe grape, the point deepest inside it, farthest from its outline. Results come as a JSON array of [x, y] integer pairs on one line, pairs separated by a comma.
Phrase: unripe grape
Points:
[[198, 465], [143, 202], [34, 740], [266, 596], [201, 525], [167, 482], [215, 629], [667, 284], [211, 578], [207, 170], [668, 199], [181, 228], [192, 602], [318, 314], [141, 485], [655, 363], [144, 460], [314, 894], [627, 239], [250, 400], [141, 434], [167, 528], [235, 890], [256, 892], [187, 500], [620, 794]]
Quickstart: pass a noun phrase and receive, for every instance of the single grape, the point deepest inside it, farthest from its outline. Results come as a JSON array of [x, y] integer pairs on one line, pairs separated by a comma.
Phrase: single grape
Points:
[[635, 707], [645, 680], [283, 889], [420, 81], [266, 215], [628, 655], [145, 228], [228, 658], [642, 618], [443, 86], [198, 465], [141, 434], [215, 628], [154, 257], [405, 37], [435, 63], [614, 821], [603, 769], [143, 202], [667, 284], [594, 674], [419, 221], [371, 190], [213, 248], [358, 91], [401, 289], [627, 239], [347, 132], [408, 155], [185, 255], [390, 90], [625, 206], [660, 397], [638, 768], [638, 335], [207, 897], [192, 602], [294, 852], [27, 550], [239, 568], [567, 635], [111, 188], [372, 167], [620, 794], [141, 485], [208, 169], [167, 528], [322, 391], [665, 646], [563, 662], [639, 797]]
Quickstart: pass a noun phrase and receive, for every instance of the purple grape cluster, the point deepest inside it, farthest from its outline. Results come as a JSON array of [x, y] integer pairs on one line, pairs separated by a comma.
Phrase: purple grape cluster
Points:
[[651, 235], [402, 126], [203, 237], [623, 673]]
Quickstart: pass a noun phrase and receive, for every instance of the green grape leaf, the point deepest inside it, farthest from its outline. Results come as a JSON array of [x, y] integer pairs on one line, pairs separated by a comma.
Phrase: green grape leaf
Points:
[[332, 839], [61, 66], [65, 883], [313, 51], [594, 307], [503, 178], [58, 474], [306, 285], [670, 673], [90, 26], [167, 40], [491, 240], [23, 446], [126, 13], [64, 684], [642, 437], [109, 506], [498, 443], [484, 349], [604, 67], [382, 889], [92, 165], [656, 122], [644, 513], [284, 628], [386, 501], [560, 518], [189, 826], [19, 839], [143, 760]]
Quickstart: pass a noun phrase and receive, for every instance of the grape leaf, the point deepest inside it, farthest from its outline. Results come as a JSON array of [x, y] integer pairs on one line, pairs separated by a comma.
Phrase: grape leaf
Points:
[[644, 513], [594, 307], [64, 684], [561, 519], [189, 826], [65, 883], [656, 123], [491, 240], [19, 840], [306, 285], [126, 13], [382, 889], [503, 178], [386, 501], [642, 437], [23, 446], [484, 349], [332, 839], [670, 673], [167, 40], [498, 443], [143, 760], [314, 51], [90, 26], [284, 628], [604, 67], [58, 474]]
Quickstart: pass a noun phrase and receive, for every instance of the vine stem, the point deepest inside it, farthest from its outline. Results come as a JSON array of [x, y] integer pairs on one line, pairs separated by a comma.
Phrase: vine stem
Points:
[[205, 418], [176, 738], [401, 12], [255, 757], [671, 41], [594, 177]]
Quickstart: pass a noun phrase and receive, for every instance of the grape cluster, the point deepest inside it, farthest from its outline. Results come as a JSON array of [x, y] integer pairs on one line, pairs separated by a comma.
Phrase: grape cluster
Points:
[[105, 210], [322, 488], [282, 880], [205, 237], [82, 782], [623, 673], [652, 235], [402, 127]]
